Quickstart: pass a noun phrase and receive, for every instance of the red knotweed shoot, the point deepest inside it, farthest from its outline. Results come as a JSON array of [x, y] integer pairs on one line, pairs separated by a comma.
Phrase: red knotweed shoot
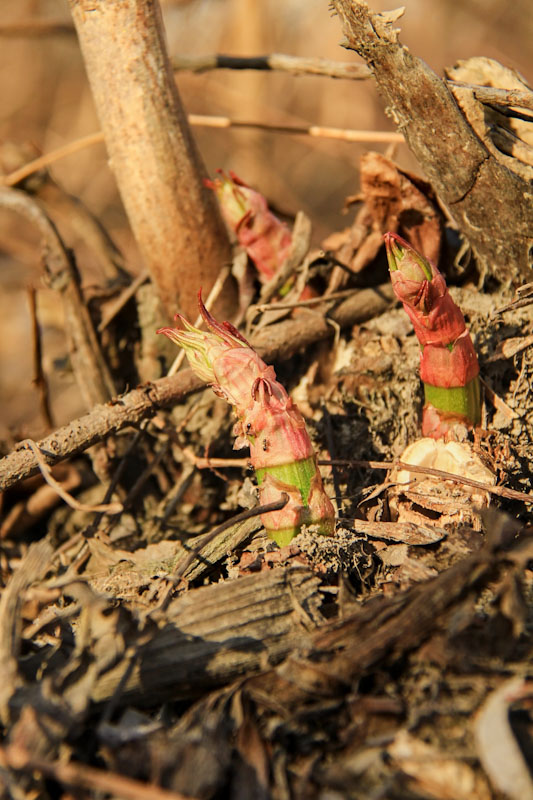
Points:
[[267, 421], [265, 238], [448, 363]]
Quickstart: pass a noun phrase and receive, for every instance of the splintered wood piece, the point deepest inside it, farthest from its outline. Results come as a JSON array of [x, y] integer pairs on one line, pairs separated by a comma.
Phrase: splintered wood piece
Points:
[[486, 199], [213, 635]]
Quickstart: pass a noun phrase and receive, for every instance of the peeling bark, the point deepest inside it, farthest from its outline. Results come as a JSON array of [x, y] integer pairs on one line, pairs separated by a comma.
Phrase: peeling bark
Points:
[[491, 204]]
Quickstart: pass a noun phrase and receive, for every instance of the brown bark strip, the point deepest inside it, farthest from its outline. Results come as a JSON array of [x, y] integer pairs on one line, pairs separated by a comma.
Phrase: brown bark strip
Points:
[[92, 373], [490, 203], [274, 342], [39, 378], [159, 172]]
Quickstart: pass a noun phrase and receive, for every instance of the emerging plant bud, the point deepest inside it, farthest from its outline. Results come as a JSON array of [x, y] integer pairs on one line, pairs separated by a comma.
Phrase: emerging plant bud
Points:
[[267, 421], [264, 237], [448, 363]]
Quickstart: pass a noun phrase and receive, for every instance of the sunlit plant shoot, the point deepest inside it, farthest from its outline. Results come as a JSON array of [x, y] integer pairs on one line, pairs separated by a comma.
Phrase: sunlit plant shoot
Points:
[[268, 422], [449, 367], [265, 238]]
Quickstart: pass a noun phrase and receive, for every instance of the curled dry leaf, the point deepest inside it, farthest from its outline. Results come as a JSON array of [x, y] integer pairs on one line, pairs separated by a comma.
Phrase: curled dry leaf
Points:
[[457, 503], [436, 774], [393, 200], [398, 200], [497, 747]]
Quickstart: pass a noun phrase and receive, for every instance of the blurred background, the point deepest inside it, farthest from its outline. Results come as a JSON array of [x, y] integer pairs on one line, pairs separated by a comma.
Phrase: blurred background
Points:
[[46, 103]]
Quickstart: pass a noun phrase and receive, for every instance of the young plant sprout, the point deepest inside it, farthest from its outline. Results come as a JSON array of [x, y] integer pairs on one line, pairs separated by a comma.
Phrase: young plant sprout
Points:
[[267, 421], [265, 238], [449, 367]]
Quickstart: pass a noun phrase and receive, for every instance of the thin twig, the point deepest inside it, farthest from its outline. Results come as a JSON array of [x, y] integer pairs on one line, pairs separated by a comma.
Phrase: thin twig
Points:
[[494, 96], [275, 62], [501, 491], [313, 301], [49, 158], [119, 303], [39, 378], [84, 777], [184, 564], [208, 462], [207, 121], [242, 517], [107, 508], [36, 27], [317, 131], [518, 301]]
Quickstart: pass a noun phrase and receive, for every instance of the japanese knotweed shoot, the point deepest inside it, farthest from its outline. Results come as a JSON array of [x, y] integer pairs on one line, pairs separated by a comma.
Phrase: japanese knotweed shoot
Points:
[[449, 367], [267, 421], [265, 238]]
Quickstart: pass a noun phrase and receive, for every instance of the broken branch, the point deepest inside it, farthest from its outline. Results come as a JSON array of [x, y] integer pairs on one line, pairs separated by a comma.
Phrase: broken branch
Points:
[[272, 342]]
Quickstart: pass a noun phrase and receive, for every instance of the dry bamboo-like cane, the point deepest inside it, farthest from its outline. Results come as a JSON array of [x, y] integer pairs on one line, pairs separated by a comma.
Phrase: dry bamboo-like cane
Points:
[[152, 153]]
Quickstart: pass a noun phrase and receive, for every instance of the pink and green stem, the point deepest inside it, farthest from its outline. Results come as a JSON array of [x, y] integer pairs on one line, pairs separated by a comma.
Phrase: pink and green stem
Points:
[[267, 421], [449, 367], [265, 238]]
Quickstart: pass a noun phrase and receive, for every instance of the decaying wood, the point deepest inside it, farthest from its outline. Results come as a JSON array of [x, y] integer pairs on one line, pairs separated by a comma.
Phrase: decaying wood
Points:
[[279, 341], [174, 218], [212, 635], [490, 203], [92, 373], [386, 628]]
